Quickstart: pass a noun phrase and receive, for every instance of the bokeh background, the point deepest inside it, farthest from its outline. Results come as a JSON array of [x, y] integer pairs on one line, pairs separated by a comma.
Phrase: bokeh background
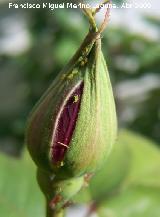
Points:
[[36, 44]]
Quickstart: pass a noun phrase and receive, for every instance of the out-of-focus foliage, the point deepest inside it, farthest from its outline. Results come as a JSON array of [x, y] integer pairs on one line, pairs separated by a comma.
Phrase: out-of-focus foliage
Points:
[[19, 192], [138, 201], [138, 163]]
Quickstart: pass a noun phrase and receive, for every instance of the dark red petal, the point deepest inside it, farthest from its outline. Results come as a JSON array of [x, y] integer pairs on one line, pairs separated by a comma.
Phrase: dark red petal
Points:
[[66, 125]]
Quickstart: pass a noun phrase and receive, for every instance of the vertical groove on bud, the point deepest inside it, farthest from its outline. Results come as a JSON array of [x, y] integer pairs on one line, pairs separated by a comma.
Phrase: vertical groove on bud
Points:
[[65, 124]]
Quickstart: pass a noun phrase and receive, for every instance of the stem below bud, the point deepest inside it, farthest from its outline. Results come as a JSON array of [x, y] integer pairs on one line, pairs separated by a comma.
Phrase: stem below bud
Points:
[[53, 213]]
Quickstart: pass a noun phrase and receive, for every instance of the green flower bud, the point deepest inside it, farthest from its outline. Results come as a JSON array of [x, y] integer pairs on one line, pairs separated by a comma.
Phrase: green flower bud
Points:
[[73, 126]]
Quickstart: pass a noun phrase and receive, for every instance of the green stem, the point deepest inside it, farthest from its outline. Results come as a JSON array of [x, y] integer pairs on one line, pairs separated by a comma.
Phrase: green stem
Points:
[[53, 213], [90, 14]]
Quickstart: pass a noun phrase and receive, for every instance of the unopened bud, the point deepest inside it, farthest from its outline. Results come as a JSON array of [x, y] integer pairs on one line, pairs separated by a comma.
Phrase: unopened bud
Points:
[[73, 127]]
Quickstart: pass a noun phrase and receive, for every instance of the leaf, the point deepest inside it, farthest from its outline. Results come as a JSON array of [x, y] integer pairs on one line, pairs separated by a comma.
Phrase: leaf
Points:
[[19, 192], [145, 155], [138, 194], [134, 202]]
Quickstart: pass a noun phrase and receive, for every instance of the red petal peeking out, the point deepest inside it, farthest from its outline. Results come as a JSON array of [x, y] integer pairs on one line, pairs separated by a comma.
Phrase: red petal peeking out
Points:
[[66, 125]]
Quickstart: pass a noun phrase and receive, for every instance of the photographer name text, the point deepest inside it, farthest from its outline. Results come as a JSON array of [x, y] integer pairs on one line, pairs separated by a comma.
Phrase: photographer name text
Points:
[[53, 6]]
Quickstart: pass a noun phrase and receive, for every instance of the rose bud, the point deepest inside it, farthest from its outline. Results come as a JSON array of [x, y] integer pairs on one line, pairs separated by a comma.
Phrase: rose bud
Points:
[[72, 128]]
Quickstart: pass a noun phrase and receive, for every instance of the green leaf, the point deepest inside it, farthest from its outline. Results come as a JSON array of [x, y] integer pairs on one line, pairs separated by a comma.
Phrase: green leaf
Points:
[[134, 202], [145, 157], [19, 192], [138, 194], [134, 160]]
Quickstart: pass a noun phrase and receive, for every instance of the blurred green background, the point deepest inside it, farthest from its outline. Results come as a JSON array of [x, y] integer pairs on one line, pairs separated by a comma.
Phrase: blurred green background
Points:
[[34, 46]]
